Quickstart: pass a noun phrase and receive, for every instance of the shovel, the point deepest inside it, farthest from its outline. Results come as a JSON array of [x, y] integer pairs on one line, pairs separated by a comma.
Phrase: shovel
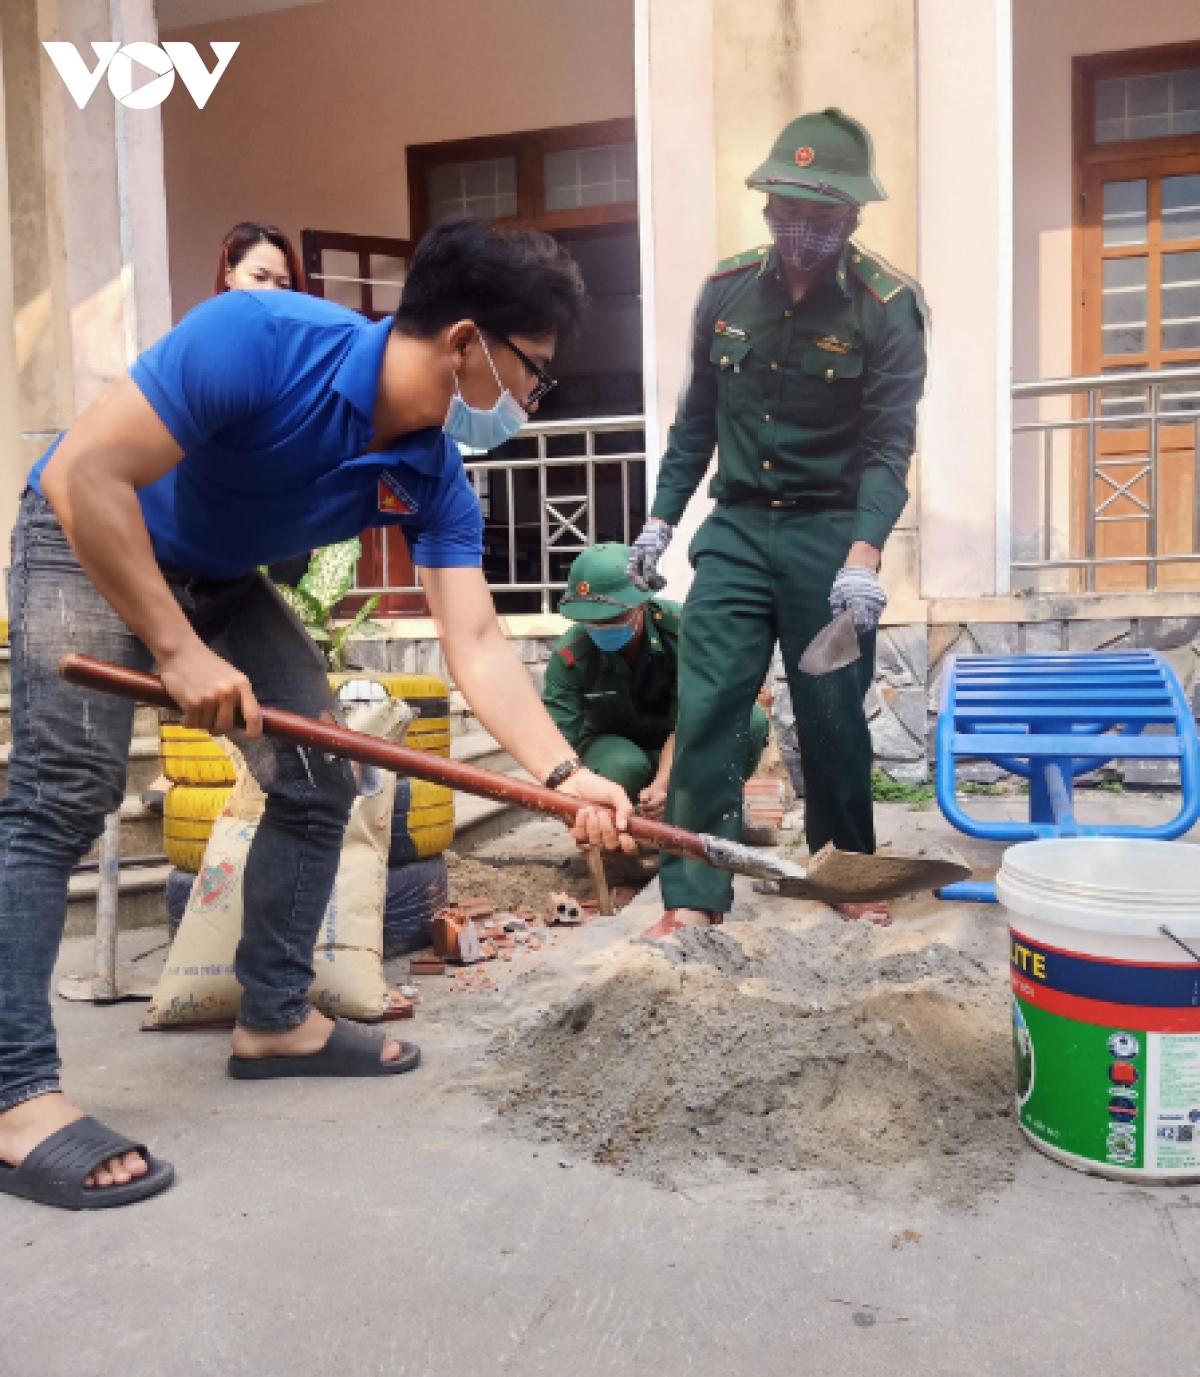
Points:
[[832, 876]]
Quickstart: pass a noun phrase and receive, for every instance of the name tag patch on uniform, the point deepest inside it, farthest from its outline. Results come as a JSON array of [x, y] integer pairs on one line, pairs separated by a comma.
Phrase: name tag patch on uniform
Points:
[[393, 499], [730, 331], [832, 344]]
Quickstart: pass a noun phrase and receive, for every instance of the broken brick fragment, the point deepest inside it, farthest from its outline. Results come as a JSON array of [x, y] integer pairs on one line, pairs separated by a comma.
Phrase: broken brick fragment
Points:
[[478, 907], [426, 965], [446, 929]]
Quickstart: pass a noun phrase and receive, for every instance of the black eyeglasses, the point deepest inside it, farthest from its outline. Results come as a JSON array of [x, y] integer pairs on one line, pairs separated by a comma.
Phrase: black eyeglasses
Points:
[[545, 383]]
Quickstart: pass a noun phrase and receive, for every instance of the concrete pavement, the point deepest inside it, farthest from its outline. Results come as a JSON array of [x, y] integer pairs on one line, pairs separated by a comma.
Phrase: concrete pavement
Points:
[[386, 1227]]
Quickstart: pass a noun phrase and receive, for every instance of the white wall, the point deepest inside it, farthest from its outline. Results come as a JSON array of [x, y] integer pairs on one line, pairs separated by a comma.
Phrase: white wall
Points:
[[676, 90], [308, 126]]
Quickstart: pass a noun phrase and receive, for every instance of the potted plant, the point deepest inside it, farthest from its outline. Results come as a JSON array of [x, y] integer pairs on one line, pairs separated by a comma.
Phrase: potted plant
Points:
[[329, 578]]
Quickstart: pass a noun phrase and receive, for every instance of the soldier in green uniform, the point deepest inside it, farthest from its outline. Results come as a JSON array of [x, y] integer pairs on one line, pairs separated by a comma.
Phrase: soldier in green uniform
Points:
[[808, 360], [612, 681]]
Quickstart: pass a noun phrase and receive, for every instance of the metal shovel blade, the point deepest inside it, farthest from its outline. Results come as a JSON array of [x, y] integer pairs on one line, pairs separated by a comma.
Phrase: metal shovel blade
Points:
[[838, 877], [842, 877], [833, 647]]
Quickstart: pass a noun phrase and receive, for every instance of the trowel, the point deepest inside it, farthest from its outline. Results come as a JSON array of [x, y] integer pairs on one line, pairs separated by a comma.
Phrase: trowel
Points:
[[832, 876], [833, 647]]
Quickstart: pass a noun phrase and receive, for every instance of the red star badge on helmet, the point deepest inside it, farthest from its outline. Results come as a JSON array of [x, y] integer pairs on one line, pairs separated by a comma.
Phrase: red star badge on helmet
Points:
[[583, 589], [804, 156]]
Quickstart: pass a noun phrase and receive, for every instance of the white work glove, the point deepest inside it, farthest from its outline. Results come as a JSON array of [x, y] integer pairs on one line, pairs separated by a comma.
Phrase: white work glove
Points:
[[644, 554], [859, 590]]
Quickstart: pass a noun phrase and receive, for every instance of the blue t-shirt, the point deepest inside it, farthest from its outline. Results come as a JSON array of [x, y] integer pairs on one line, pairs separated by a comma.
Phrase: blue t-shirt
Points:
[[270, 396]]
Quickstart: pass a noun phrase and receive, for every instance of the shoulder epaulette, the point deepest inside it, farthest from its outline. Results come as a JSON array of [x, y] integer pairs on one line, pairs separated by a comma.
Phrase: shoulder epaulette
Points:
[[882, 281], [667, 618], [741, 261]]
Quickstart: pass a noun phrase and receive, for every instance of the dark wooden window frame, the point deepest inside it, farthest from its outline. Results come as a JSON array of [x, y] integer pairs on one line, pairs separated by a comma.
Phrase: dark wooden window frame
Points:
[[314, 242], [529, 148]]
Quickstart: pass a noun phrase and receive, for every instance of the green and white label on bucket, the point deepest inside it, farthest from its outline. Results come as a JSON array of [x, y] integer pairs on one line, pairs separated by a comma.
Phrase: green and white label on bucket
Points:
[[1114, 1081]]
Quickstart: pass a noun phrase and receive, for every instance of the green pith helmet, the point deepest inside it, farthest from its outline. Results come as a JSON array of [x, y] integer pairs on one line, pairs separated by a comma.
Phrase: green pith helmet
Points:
[[827, 157], [598, 588]]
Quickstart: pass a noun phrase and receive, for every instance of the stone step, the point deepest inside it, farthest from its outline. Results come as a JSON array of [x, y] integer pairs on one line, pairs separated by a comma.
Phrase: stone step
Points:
[[143, 764], [141, 830], [478, 821], [483, 750], [4, 663], [141, 903]]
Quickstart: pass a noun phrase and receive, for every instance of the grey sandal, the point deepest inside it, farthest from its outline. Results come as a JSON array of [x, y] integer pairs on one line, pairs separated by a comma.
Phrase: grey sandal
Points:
[[349, 1051], [54, 1171]]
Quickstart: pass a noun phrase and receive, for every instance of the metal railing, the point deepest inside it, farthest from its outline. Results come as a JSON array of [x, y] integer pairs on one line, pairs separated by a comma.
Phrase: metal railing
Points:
[[1120, 487], [555, 489]]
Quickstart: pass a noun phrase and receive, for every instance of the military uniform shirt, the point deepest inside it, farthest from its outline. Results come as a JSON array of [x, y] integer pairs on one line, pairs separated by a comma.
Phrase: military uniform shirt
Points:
[[591, 692], [815, 401]]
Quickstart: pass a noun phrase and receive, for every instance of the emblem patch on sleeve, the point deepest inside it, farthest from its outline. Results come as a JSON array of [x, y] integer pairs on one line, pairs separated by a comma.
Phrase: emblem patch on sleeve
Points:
[[393, 499]]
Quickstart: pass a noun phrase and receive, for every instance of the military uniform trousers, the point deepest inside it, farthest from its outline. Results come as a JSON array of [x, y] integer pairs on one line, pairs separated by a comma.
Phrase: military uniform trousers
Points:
[[763, 575], [633, 767]]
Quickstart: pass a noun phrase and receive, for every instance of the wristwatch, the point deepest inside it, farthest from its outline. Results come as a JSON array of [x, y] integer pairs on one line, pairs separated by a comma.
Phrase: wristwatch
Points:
[[561, 773]]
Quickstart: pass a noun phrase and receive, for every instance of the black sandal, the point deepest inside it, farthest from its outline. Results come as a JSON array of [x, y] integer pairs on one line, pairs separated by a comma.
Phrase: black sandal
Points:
[[349, 1051], [54, 1171]]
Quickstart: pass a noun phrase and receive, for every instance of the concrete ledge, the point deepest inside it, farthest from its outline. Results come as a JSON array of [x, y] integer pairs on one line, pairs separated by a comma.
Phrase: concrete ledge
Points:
[[1045, 607]]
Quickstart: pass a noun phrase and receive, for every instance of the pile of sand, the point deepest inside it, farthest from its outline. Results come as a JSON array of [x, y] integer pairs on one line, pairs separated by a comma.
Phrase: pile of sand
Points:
[[822, 1050]]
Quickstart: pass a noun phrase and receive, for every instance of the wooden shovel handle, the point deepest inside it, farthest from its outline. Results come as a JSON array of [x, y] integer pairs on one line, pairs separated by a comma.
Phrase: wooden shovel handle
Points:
[[385, 755]]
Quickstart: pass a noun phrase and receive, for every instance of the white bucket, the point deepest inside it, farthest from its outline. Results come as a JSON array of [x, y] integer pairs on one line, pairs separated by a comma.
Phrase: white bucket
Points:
[[1106, 1007]]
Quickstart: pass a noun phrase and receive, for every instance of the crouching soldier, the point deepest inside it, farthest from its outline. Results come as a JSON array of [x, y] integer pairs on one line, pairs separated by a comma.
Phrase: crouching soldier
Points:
[[612, 684]]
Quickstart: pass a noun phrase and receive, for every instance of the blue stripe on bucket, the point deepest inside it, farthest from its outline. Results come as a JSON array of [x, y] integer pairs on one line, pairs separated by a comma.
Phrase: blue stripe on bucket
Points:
[[1113, 982]]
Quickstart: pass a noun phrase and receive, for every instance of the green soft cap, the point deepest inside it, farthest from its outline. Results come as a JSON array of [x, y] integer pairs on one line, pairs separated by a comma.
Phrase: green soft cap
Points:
[[598, 588], [827, 157]]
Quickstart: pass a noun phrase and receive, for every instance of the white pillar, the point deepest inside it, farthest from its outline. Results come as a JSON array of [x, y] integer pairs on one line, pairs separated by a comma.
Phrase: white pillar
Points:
[[678, 215], [964, 55], [114, 202]]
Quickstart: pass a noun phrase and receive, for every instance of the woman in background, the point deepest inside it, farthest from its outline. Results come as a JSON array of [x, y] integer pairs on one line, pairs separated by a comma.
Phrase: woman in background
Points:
[[257, 258]]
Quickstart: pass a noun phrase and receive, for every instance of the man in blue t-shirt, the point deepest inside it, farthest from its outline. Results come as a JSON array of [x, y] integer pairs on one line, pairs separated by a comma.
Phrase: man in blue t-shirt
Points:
[[264, 425]]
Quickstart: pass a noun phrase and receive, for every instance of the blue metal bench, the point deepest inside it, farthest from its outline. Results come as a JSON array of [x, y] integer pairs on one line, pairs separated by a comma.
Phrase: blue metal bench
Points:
[[1051, 718]]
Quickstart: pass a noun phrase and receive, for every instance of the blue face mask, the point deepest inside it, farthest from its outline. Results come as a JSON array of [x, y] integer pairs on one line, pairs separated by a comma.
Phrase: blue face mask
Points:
[[612, 638], [484, 430]]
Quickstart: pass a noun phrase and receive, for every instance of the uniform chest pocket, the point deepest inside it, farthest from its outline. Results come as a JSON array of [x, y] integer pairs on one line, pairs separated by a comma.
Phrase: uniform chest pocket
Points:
[[829, 379], [734, 361], [729, 355]]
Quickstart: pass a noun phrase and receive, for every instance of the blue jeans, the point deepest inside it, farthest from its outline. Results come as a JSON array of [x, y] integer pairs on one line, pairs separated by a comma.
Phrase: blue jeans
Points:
[[67, 770]]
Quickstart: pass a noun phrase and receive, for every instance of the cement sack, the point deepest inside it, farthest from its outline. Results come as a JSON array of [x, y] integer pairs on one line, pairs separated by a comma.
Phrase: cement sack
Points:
[[198, 984]]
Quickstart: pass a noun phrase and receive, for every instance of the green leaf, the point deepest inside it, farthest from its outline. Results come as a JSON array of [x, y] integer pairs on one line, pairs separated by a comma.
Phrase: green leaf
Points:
[[342, 635], [305, 607], [330, 573]]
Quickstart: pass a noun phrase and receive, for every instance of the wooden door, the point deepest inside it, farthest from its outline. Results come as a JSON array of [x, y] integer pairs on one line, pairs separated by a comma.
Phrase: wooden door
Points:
[[366, 273], [1141, 313]]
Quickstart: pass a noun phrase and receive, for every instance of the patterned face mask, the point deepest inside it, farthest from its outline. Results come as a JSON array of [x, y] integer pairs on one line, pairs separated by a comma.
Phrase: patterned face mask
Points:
[[806, 244]]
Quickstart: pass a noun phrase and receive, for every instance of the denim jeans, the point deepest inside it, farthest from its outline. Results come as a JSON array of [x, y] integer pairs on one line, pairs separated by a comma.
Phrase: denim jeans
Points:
[[67, 770]]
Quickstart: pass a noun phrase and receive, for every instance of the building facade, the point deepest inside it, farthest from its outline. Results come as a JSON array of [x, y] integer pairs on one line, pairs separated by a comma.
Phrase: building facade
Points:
[[1043, 169]]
